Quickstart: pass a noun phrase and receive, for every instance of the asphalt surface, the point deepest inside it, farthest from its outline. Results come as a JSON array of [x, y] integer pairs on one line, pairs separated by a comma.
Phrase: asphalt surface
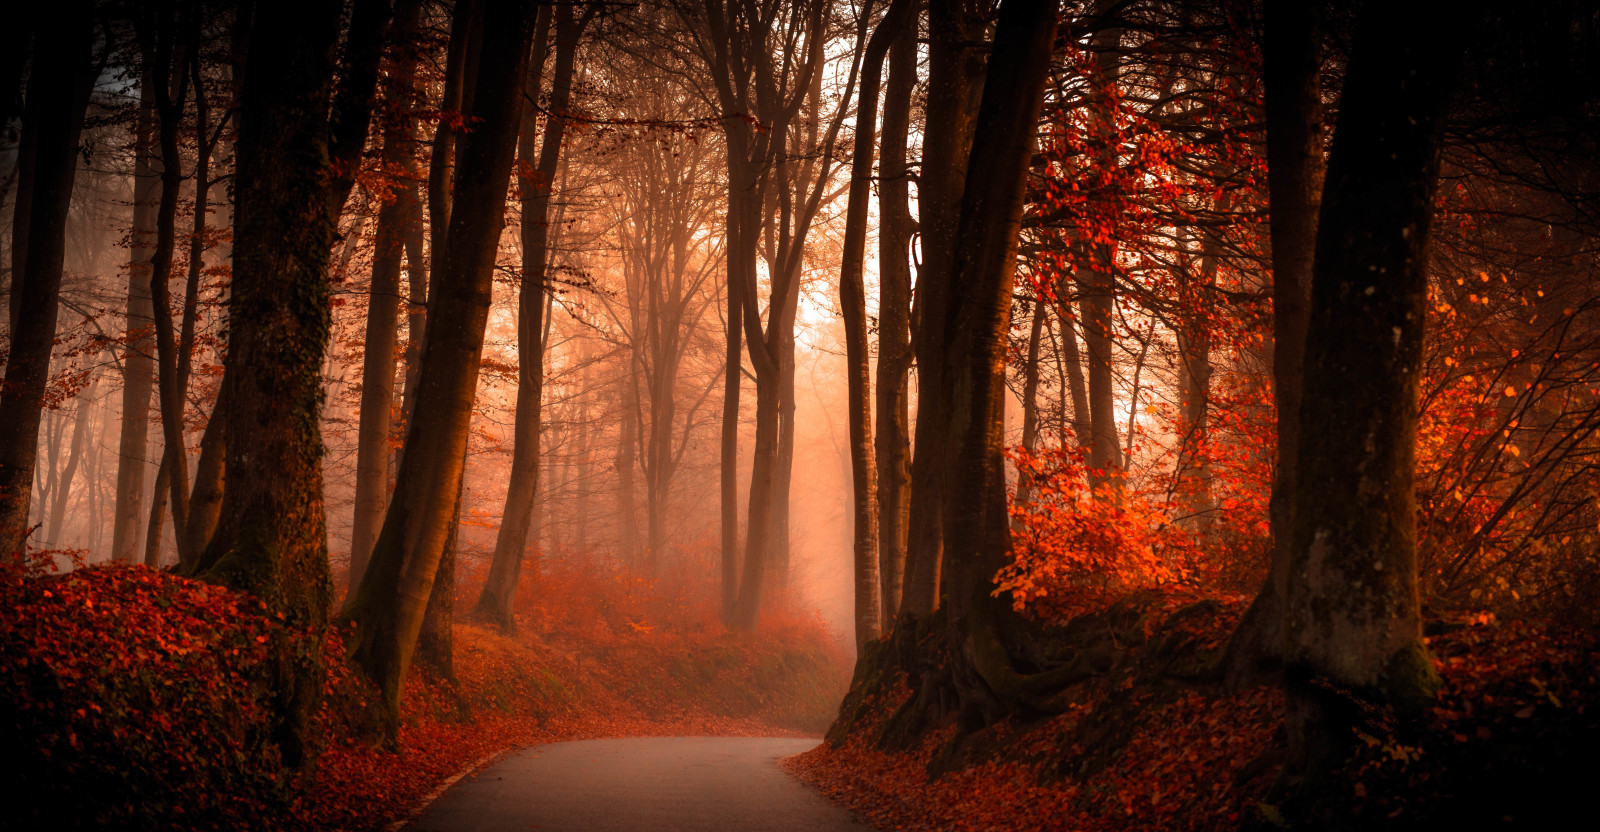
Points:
[[658, 784]]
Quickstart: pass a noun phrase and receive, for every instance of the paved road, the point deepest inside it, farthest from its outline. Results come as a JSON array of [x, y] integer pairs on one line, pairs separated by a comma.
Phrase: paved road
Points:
[[661, 784]]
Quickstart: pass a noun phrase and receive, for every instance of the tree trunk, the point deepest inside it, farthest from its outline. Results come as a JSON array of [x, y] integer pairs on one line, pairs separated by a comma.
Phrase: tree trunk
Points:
[[1353, 620], [1293, 103], [1097, 285], [853, 302], [732, 372], [158, 38], [295, 167], [626, 463], [956, 61], [156, 522], [783, 471], [1072, 361], [138, 368], [393, 596], [522, 492], [205, 501], [401, 211], [977, 530], [1030, 399], [436, 637], [895, 228], [58, 94], [1098, 303], [80, 430], [1194, 386]]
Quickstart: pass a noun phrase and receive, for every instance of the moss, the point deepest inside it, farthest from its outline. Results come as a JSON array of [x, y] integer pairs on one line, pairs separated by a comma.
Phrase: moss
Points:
[[1409, 681]]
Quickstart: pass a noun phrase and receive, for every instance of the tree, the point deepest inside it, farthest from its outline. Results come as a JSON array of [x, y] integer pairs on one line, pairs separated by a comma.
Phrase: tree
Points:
[[956, 63], [853, 303], [398, 218], [57, 96], [1293, 105], [1353, 619], [977, 530], [536, 182], [892, 452], [298, 148], [389, 605]]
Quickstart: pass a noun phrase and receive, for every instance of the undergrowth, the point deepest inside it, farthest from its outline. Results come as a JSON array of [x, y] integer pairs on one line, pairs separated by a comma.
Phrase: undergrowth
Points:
[[1155, 743]]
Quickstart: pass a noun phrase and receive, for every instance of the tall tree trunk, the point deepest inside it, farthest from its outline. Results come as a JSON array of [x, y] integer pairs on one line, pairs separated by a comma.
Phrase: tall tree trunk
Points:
[[1030, 398], [1097, 285], [1072, 361], [783, 470], [1353, 619], [205, 500], [626, 464], [138, 368], [80, 432], [1098, 303], [534, 183], [1194, 386], [58, 94], [895, 228], [155, 524], [393, 596], [159, 44], [732, 372], [1293, 102], [853, 303], [977, 530], [295, 167], [401, 211], [956, 61], [436, 637]]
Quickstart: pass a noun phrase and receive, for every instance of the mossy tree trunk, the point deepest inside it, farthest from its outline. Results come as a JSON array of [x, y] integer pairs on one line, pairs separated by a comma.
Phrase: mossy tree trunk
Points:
[[296, 164], [1353, 622]]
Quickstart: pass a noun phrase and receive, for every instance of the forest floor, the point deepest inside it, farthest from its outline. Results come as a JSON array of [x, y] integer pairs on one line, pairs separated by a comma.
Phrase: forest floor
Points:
[[135, 697], [1155, 743]]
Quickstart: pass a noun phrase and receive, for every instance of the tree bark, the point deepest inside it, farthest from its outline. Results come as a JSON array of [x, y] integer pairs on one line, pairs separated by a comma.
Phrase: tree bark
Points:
[[853, 302], [159, 44], [1293, 104], [536, 179], [1097, 292], [1030, 399], [295, 167], [977, 529], [401, 210], [80, 431], [1353, 620], [58, 94], [436, 637], [138, 366], [393, 596], [895, 228], [956, 62]]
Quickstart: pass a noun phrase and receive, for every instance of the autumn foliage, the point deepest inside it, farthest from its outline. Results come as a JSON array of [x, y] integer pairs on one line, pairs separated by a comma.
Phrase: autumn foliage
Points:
[[137, 699], [1155, 743]]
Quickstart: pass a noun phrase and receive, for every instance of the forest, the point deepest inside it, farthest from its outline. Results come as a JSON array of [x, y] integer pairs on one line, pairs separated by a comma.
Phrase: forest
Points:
[[1088, 414]]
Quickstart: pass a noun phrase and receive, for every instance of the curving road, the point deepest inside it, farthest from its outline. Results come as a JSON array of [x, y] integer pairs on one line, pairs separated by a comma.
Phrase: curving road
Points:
[[658, 784]]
